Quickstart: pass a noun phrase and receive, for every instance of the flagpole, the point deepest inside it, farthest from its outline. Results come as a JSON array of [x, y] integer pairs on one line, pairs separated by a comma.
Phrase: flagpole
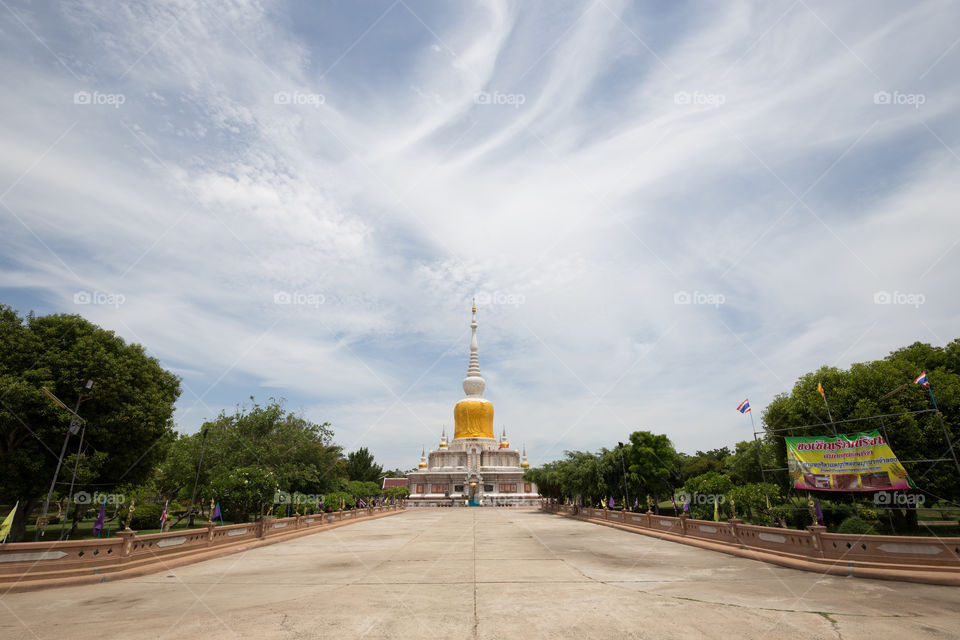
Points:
[[853, 494], [763, 475]]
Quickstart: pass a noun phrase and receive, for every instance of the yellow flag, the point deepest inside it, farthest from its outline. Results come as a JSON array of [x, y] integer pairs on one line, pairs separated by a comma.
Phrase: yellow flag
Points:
[[7, 523], [820, 389], [716, 510]]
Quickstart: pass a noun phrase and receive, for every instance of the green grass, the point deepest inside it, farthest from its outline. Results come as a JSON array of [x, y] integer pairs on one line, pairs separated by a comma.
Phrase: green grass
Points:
[[85, 530]]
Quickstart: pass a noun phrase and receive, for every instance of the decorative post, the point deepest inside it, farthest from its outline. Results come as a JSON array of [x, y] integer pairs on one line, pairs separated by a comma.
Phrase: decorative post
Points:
[[126, 536], [817, 532], [130, 510]]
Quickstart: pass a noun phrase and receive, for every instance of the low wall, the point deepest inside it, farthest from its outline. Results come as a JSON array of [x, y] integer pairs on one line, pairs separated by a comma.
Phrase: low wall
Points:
[[35, 565], [908, 558]]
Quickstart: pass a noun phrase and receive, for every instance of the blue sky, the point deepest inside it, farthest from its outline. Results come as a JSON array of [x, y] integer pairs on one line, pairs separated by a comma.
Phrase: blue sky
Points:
[[663, 208]]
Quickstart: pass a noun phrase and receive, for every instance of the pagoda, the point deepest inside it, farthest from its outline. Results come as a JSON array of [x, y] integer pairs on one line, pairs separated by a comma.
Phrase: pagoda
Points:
[[473, 469]]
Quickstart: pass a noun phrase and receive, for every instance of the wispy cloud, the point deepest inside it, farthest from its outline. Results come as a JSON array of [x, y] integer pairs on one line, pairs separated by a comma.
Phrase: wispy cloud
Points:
[[716, 192]]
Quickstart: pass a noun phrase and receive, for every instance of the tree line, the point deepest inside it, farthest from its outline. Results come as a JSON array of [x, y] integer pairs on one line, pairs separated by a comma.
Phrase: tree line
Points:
[[750, 480], [256, 460]]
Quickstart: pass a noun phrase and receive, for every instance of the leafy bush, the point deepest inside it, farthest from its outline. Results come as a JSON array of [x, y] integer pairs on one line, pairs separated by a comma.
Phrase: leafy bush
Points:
[[855, 525], [703, 490], [751, 500], [396, 492], [332, 500], [795, 518], [835, 514], [245, 492], [870, 515], [359, 489], [145, 516]]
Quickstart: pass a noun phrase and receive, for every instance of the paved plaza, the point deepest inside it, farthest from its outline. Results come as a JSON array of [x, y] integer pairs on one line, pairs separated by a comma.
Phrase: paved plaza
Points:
[[483, 573]]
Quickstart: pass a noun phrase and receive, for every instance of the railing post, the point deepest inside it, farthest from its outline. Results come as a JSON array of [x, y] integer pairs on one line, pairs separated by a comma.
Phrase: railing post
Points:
[[683, 523], [736, 522], [817, 531], [210, 527], [127, 546]]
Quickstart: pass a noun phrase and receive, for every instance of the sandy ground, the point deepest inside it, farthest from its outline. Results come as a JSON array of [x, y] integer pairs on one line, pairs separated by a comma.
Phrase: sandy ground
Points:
[[484, 573]]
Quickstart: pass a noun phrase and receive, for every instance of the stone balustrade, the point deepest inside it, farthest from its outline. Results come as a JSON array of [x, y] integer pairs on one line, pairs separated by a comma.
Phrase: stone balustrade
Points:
[[911, 558], [32, 565]]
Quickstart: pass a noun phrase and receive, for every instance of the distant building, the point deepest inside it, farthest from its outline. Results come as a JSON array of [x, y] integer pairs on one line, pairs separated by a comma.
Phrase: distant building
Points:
[[474, 469], [393, 483]]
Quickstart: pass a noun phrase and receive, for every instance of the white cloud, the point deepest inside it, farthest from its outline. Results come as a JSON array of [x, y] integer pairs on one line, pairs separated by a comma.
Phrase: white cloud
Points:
[[580, 210]]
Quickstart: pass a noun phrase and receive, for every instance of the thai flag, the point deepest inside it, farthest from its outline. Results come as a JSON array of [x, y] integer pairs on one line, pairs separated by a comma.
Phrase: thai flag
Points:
[[163, 516], [744, 406], [922, 380], [363, 503]]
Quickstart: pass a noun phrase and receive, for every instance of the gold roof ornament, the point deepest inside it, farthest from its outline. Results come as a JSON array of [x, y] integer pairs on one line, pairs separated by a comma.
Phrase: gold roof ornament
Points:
[[423, 458]]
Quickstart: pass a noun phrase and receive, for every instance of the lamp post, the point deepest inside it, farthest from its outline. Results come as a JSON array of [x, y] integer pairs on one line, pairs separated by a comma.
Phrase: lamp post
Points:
[[193, 497], [75, 422], [623, 466]]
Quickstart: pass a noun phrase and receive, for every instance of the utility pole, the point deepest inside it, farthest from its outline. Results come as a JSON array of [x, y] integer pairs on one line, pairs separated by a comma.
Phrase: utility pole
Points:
[[75, 421], [623, 467], [203, 443]]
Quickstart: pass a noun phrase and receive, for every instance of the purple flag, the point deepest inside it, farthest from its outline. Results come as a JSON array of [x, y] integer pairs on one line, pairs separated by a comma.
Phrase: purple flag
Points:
[[98, 525], [686, 504], [215, 513], [816, 503], [610, 502]]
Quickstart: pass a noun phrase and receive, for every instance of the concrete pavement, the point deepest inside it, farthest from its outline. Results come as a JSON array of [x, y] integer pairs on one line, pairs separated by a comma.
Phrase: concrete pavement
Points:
[[484, 573]]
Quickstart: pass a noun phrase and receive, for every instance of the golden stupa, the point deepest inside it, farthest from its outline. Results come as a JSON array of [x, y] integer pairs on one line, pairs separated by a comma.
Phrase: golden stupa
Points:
[[473, 416]]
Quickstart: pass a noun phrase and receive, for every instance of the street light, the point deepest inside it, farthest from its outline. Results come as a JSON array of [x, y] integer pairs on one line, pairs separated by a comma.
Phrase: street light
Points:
[[75, 422], [623, 466]]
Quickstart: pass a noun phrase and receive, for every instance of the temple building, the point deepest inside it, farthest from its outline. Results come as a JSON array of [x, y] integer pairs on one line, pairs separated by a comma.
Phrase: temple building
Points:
[[474, 468]]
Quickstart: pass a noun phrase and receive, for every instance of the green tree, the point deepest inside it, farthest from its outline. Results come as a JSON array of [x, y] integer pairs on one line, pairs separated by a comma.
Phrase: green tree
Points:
[[361, 466], [703, 462], [299, 454], [580, 477], [743, 465], [363, 489], [652, 459], [703, 490], [244, 493], [397, 493], [547, 479], [882, 387], [128, 418], [751, 501]]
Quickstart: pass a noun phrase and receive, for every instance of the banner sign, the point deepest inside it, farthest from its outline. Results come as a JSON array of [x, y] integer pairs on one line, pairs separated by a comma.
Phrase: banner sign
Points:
[[859, 462]]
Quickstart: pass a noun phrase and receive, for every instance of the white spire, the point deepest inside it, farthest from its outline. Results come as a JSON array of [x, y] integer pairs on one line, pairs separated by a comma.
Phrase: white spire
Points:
[[474, 384]]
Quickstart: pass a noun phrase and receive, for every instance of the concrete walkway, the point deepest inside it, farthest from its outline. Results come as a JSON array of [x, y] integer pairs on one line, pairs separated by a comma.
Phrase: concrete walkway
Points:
[[484, 573]]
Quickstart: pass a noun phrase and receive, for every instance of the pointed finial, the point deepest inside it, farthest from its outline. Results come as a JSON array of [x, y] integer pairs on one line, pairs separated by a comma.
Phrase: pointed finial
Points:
[[474, 305], [474, 384]]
